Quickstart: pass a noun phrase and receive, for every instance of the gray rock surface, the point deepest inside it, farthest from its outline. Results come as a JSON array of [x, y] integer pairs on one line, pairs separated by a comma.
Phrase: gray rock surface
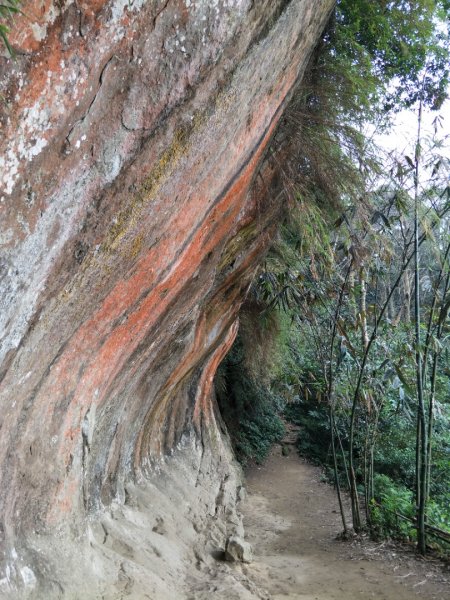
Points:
[[238, 550]]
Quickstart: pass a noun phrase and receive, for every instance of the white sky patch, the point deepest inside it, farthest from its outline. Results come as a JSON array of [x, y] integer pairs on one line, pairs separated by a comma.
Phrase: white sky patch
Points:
[[402, 138]]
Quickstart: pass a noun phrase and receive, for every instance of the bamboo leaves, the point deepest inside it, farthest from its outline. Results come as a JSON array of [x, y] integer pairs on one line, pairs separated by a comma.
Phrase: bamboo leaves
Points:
[[8, 8]]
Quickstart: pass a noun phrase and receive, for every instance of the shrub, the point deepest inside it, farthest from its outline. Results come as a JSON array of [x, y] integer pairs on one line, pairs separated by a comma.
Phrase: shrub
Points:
[[250, 411], [392, 500]]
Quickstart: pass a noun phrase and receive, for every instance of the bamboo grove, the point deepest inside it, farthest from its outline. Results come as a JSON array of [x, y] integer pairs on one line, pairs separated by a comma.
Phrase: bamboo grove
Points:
[[359, 278]]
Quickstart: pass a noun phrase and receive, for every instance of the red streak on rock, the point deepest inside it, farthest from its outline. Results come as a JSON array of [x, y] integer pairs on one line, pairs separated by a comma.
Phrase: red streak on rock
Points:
[[203, 399], [106, 362]]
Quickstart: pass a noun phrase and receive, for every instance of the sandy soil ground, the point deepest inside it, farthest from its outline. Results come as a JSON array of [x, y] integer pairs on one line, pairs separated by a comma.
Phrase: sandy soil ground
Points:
[[291, 518]]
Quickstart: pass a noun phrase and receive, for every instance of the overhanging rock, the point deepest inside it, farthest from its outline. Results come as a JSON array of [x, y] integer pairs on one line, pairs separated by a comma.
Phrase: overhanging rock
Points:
[[131, 225]]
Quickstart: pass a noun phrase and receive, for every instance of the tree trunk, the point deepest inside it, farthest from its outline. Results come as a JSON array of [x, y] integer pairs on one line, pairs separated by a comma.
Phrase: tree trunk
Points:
[[421, 438], [363, 309]]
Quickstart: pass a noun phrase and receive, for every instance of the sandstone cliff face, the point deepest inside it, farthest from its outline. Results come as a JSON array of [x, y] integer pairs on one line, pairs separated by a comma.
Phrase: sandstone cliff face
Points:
[[135, 206]]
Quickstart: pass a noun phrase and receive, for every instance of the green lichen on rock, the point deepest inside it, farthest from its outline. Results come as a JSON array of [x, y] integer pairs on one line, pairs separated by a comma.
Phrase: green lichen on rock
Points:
[[237, 245], [129, 218]]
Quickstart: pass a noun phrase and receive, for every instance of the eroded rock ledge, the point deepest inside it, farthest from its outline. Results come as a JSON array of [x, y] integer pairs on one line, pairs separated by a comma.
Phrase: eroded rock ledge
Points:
[[132, 220]]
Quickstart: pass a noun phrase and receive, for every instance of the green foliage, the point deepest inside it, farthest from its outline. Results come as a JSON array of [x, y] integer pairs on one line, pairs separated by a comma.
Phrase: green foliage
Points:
[[357, 260], [306, 406], [394, 455], [339, 276], [258, 431], [248, 405], [439, 513], [405, 42], [314, 439], [390, 501], [8, 8]]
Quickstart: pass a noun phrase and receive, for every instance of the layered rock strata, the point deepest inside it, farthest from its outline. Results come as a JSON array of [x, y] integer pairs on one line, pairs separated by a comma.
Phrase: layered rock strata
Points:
[[135, 205]]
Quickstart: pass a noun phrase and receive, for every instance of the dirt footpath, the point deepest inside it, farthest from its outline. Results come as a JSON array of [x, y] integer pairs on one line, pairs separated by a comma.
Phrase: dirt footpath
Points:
[[291, 518]]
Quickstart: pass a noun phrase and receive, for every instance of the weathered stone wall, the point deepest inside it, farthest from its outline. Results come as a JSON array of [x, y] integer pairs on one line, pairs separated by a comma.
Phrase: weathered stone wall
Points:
[[131, 224]]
